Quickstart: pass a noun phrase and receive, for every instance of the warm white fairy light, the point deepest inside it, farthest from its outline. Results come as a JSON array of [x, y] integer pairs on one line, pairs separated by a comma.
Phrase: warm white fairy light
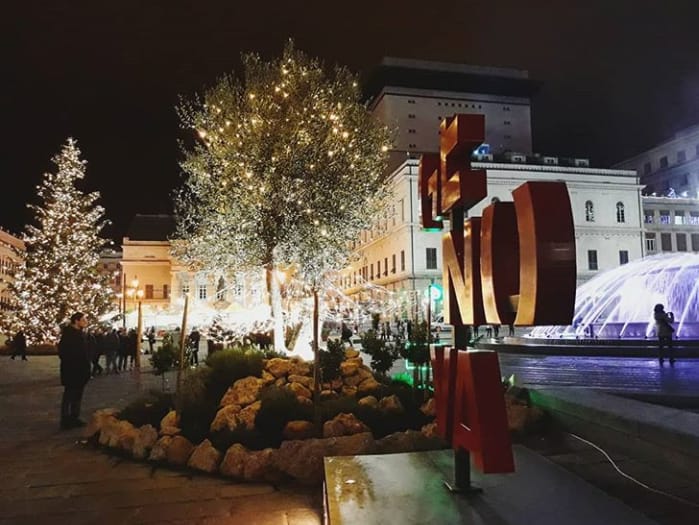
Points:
[[60, 275], [295, 192]]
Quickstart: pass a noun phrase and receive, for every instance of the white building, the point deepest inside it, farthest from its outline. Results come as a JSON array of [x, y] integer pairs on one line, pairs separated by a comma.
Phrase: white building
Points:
[[413, 96], [402, 257], [671, 224], [671, 166]]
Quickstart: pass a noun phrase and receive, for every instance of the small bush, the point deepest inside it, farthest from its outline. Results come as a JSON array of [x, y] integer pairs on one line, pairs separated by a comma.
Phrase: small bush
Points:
[[382, 355], [330, 360], [227, 366], [402, 379], [149, 409], [195, 405], [165, 357], [279, 406]]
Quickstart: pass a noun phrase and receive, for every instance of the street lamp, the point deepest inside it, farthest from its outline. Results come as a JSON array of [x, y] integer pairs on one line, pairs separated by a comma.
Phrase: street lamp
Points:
[[134, 292]]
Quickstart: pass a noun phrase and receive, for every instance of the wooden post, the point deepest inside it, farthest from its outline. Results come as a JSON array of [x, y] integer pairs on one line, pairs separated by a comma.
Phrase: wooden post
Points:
[[316, 364], [183, 338]]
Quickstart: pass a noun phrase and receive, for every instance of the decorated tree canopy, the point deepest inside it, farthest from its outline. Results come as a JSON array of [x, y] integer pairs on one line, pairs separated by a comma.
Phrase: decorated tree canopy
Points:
[[60, 272], [287, 169]]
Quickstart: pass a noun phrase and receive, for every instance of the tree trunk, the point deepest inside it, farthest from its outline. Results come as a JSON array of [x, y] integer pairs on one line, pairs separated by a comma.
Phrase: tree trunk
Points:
[[275, 301], [316, 365]]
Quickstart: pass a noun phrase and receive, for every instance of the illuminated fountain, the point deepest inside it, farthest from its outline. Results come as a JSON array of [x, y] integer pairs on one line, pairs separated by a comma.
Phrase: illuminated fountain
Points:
[[618, 304]]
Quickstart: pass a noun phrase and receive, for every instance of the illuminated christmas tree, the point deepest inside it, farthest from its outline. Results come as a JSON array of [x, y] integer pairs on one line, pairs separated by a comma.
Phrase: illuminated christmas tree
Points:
[[60, 271], [287, 169]]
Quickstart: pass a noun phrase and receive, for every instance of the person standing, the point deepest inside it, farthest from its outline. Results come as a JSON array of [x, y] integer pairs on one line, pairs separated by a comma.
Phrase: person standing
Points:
[[151, 339], [664, 330], [75, 369], [194, 338], [19, 346]]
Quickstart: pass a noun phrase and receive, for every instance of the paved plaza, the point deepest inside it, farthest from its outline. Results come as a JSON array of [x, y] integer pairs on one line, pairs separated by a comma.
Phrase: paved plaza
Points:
[[51, 476]]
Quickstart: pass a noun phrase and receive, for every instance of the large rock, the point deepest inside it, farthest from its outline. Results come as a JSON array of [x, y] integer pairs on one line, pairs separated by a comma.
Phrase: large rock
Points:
[[430, 430], [278, 367], [304, 380], [298, 429], [364, 373], [259, 466], [246, 417], [353, 380], [344, 425], [348, 368], [226, 418], [299, 367], [109, 431], [243, 392], [299, 390], [303, 460], [233, 463], [368, 385], [349, 391], [159, 450], [350, 353], [98, 420], [391, 404], [408, 441], [146, 438], [179, 450], [267, 378], [205, 457], [170, 424], [127, 437], [369, 401]]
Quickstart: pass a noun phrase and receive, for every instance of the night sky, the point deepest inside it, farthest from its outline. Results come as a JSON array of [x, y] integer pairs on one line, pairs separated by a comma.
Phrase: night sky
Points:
[[618, 75]]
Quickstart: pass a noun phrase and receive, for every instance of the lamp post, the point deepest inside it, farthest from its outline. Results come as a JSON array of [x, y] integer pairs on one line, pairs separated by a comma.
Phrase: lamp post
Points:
[[133, 291]]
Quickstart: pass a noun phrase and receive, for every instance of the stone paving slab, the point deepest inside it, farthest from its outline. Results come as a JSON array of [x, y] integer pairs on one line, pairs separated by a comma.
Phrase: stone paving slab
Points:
[[52, 476]]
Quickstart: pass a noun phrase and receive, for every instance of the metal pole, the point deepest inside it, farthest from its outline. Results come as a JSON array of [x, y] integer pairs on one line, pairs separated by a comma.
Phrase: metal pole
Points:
[[316, 363]]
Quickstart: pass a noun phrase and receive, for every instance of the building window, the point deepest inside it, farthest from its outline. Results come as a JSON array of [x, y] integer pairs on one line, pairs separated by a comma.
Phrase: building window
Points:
[[411, 115], [202, 291], [646, 168], [149, 291], [623, 257], [431, 258], [378, 269], [650, 242], [663, 162], [166, 291], [666, 242], [681, 156], [185, 289], [402, 260], [411, 131], [507, 122], [589, 212], [620, 216], [411, 101], [592, 260], [393, 263], [385, 266], [679, 217], [648, 217], [681, 242], [506, 108], [695, 242], [693, 217], [371, 271], [664, 217], [697, 150]]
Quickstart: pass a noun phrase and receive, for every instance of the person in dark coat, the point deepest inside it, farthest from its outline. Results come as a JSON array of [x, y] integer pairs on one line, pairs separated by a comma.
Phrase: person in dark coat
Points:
[[194, 338], [664, 330], [75, 369], [19, 346]]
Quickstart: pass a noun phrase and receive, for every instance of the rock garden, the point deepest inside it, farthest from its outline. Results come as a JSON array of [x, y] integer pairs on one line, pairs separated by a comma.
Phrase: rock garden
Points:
[[252, 416]]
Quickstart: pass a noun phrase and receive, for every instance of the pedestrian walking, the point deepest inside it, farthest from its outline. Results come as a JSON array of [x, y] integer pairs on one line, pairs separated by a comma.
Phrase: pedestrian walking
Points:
[[111, 349], [664, 330], [151, 339], [19, 346], [75, 369], [194, 338]]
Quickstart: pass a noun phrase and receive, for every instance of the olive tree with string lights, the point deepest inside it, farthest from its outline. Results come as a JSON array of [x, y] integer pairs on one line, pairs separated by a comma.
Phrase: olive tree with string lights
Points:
[[60, 274], [288, 167]]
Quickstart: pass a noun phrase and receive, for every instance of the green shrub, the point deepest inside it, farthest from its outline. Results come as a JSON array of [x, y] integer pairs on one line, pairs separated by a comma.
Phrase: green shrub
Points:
[[149, 409], [279, 406], [402, 378], [165, 357], [227, 366], [382, 355], [330, 360], [196, 405]]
